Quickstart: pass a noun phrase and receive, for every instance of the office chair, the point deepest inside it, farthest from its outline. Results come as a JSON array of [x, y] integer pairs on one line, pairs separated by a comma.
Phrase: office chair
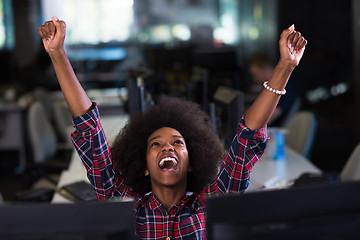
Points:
[[301, 132], [351, 170], [42, 96], [63, 123], [46, 164], [295, 107], [41, 133]]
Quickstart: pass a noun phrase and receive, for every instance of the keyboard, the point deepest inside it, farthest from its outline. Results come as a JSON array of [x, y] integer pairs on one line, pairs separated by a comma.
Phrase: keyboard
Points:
[[80, 191]]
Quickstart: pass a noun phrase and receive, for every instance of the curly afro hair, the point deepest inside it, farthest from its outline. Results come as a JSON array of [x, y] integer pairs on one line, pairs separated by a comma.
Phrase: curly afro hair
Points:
[[203, 144]]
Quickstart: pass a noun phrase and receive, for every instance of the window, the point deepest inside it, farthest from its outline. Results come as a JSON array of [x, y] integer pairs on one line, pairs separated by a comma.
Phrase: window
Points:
[[156, 21], [92, 21], [6, 25]]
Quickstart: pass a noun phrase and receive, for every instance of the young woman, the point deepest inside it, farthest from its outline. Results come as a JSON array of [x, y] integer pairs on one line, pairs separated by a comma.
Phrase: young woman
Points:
[[166, 159]]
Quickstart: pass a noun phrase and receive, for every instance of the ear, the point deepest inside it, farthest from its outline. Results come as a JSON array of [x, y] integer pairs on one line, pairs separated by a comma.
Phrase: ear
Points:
[[146, 173]]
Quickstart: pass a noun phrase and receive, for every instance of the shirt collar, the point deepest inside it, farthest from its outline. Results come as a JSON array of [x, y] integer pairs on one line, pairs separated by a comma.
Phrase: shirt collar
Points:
[[153, 202]]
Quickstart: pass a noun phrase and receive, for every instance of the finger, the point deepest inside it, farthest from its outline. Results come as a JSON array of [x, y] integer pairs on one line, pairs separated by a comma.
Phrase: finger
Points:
[[290, 39], [285, 34], [43, 32], [60, 26], [291, 36], [293, 41], [303, 43], [296, 42], [55, 19], [299, 42], [46, 29], [297, 36], [51, 27]]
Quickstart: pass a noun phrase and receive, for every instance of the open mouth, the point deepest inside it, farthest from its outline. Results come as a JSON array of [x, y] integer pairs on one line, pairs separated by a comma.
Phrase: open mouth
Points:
[[168, 163]]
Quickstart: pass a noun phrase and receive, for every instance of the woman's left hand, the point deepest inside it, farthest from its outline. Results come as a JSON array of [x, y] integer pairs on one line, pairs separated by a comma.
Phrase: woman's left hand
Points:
[[292, 46]]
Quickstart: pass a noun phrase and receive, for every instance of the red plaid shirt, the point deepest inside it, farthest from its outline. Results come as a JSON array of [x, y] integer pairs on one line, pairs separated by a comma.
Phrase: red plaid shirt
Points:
[[186, 219]]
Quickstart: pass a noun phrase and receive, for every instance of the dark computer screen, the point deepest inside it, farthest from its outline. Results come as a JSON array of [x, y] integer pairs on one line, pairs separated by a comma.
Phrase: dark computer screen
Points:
[[82, 221], [137, 101], [326, 211], [229, 104]]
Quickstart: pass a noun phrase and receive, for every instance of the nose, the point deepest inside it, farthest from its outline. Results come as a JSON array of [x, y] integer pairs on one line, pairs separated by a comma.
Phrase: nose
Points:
[[167, 147]]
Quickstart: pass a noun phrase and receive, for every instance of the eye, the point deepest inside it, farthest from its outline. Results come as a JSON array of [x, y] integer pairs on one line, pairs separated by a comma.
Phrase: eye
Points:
[[155, 144], [180, 142]]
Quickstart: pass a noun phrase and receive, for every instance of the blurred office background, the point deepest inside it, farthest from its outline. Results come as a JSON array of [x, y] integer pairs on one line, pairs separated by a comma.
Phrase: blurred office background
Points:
[[172, 44]]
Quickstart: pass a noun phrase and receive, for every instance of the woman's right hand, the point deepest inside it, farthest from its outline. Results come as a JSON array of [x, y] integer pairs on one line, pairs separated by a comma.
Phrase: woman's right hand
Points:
[[53, 35]]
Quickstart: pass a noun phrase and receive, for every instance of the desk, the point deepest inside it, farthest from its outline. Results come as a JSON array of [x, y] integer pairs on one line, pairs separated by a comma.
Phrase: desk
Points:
[[272, 172], [76, 171]]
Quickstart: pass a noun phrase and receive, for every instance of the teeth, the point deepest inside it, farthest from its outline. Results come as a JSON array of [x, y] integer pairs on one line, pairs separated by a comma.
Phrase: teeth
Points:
[[167, 159]]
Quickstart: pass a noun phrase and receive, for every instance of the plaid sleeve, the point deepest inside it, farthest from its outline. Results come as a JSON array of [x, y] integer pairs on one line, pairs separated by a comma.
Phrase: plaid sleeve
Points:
[[92, 146], [245, 150]]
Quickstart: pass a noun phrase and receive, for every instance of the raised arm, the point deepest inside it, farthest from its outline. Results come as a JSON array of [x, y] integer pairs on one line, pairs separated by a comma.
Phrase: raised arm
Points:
[[292, 46], [53, 36]]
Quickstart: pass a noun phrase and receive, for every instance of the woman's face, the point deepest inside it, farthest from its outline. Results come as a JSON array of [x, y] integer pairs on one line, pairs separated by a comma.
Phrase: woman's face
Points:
[[167, 159]]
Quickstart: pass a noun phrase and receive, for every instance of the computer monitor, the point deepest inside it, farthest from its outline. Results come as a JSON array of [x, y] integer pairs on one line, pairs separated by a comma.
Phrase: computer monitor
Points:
[[327, 211], [137, 101], [229, 104], [88, 221]]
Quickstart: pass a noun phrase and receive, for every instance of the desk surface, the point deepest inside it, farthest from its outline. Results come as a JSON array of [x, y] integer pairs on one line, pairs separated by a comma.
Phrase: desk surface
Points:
[[272, 173]]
